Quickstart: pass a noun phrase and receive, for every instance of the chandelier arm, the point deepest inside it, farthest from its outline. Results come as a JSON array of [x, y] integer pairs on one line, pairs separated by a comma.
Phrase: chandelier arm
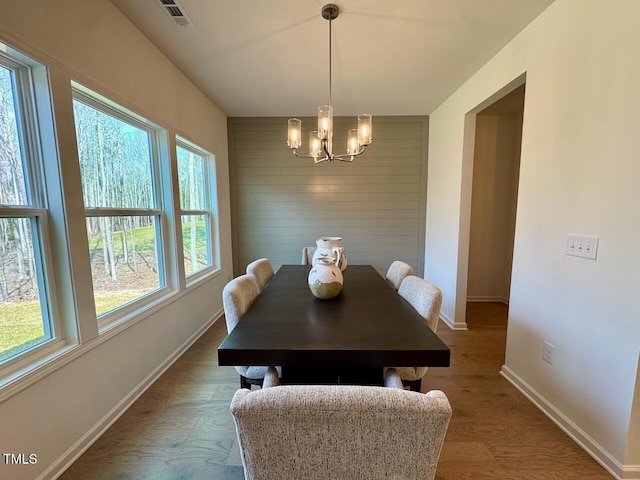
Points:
[[325, 149], [348, 157], [295, 152]]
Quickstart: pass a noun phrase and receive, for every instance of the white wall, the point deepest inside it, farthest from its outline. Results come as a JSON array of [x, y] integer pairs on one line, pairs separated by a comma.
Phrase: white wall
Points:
[[91, 42], [579, 174]]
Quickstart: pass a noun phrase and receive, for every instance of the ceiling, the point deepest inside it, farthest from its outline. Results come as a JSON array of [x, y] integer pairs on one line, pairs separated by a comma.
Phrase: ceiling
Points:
[[270, 57]]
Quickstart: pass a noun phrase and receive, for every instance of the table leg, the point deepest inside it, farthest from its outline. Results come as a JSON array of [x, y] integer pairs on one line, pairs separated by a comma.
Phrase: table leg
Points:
[[330, 376]]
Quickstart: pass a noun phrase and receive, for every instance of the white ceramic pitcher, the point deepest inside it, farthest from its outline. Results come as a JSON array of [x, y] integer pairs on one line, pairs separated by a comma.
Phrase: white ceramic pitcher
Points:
[[331, 247], [325, 278]]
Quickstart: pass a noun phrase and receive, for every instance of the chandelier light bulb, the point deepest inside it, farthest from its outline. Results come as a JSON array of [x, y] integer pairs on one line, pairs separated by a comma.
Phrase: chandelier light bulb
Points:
[[325, 121], [352, 142], [315, 144], [364, 129], [295, 127]]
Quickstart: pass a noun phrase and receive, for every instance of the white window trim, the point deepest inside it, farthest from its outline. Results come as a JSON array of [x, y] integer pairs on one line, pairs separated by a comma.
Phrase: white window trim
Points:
[[196, 277], [32, 93], [165, 243]]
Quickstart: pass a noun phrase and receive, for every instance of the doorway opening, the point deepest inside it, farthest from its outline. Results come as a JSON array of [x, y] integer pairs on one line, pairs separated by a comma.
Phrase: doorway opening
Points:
[[494, 193]]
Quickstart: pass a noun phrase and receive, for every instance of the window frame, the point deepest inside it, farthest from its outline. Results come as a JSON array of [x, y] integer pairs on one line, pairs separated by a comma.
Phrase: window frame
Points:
[[164, 242], [44, 113], [209, 213], [27, 87]]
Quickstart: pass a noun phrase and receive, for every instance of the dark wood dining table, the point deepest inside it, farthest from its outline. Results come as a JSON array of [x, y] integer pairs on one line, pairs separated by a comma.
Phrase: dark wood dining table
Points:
[[348, 339]]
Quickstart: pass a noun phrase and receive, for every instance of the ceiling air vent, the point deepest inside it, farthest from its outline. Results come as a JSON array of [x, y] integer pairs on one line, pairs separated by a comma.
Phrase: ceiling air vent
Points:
[[176, 13]]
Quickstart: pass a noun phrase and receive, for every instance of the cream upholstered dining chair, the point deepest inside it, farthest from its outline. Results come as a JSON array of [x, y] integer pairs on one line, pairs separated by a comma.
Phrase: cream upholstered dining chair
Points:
[[262, 271], [397, 272], [340, 432], [237, 296], [307, 255], [426, 299]]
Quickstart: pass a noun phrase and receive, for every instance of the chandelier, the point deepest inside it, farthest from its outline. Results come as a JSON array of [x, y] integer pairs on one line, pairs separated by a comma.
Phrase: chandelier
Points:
[[321, 140]]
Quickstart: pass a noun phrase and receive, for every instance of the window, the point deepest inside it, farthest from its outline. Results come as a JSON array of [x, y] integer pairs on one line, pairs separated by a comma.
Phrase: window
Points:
[[120, 173], [25, 319], [140, 237], [194, 178]]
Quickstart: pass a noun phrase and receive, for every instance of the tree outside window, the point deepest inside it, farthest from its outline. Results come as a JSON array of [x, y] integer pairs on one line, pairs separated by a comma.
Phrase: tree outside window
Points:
[[195, 205], [24, 313], [118, 169]]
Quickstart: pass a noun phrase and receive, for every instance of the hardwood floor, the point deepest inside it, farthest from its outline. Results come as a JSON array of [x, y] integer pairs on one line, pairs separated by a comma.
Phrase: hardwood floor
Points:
[[181, 427], [495, 432]]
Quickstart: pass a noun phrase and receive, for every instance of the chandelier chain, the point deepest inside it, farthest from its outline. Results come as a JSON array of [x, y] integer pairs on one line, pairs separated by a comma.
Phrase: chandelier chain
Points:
[[330, 62]]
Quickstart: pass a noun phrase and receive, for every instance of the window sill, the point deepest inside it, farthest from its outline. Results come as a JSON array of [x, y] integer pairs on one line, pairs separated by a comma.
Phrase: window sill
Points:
[[34, 367]]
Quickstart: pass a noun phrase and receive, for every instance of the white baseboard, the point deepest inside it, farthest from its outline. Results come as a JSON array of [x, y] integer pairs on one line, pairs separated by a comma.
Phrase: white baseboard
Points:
[[630, 472], [58, 467], [588, 444], [451, 324], [504, 300]]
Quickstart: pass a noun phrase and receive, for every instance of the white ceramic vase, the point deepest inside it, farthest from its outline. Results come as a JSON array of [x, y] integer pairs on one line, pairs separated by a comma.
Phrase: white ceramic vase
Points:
[[331, 247], [325, 278]]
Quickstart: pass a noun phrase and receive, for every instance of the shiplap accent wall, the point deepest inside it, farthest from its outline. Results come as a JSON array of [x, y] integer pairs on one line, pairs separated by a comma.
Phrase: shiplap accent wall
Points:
[[281, 203]]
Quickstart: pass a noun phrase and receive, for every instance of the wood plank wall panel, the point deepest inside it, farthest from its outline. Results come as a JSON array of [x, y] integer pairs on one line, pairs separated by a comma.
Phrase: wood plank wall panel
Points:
[[281, 203]]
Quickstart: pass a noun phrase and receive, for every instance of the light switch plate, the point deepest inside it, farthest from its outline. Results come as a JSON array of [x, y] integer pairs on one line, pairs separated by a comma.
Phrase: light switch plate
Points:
[[584, 246]]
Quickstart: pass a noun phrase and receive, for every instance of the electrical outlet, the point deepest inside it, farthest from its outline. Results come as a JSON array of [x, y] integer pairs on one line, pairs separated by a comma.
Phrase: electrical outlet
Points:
[[584, 246], [548, 352]]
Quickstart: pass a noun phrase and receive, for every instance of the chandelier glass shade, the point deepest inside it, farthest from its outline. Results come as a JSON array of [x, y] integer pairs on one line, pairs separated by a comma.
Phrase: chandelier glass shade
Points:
[[321, 140]]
